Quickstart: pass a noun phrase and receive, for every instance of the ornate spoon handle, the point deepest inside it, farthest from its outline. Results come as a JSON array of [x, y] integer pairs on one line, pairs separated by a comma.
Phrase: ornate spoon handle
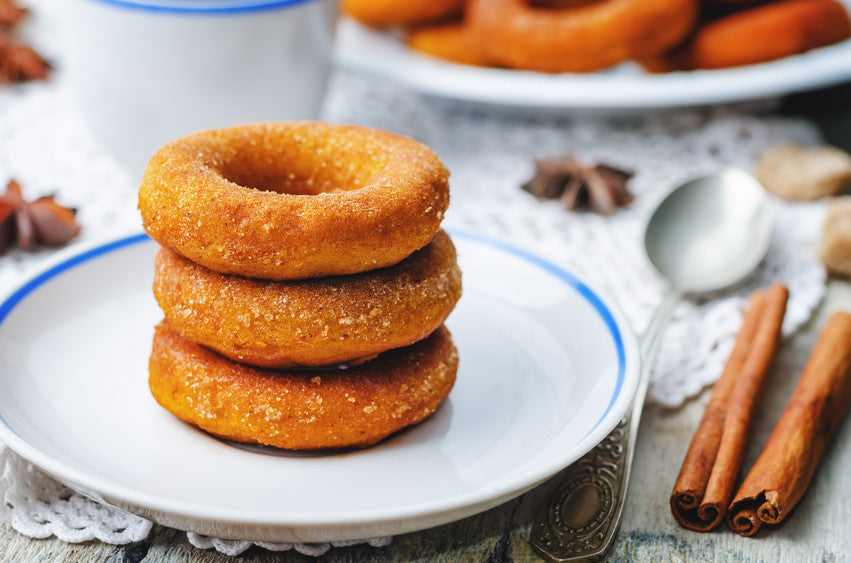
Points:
[[582, 516]]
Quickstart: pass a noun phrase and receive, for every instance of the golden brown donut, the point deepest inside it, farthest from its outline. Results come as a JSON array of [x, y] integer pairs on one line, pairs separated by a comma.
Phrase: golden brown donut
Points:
[[313, 322], [585, 38], [294, 200], [382, 13], [765, 33], [331, 408], [451, 41]]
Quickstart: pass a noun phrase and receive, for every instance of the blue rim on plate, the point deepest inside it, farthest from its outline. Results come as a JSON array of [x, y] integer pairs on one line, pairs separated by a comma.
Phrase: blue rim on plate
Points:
[[586, 292], [388, 520], [580, 287], [202, 6], [19, 294]]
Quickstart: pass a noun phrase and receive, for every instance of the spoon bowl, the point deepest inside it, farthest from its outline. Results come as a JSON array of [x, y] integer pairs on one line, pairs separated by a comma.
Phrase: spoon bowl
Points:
[[710, 232]]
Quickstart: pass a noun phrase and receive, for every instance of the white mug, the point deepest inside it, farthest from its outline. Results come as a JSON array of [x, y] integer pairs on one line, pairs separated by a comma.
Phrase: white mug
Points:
[[145, 72]]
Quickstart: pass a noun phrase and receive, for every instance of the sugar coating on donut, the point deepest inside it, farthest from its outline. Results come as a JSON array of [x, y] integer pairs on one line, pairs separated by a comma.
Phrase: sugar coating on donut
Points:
[[294, 200], [301, 410], [310, 322]]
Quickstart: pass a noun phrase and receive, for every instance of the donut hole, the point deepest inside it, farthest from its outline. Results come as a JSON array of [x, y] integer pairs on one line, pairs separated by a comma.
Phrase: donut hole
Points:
[[308, 166], [287, 181]]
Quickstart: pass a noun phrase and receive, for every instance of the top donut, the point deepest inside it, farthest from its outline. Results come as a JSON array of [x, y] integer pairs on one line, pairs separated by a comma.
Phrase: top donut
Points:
[[299, 200]]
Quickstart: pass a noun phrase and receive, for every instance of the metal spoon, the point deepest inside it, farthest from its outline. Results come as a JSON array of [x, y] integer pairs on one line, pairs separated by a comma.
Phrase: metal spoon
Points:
[[707, 234]]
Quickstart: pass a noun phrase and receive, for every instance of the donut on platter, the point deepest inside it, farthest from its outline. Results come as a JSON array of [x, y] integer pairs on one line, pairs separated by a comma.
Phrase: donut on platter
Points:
[[581, 38], [450, 41], [383, 13], [763, 33]]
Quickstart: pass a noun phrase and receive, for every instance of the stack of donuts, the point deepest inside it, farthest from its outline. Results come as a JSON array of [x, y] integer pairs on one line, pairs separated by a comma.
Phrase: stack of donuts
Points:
[[304, 280], [591, 35]]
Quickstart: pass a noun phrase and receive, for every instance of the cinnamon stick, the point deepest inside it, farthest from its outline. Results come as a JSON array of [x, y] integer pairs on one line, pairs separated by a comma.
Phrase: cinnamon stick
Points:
[[708, 475], [795, 447]]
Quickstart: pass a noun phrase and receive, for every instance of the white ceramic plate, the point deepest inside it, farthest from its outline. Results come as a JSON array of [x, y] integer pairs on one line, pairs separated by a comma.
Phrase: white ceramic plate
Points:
[[547, 369], [625, 88]]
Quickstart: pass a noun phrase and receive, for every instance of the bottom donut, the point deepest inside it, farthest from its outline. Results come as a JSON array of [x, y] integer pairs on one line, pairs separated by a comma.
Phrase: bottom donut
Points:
[[301, 410]]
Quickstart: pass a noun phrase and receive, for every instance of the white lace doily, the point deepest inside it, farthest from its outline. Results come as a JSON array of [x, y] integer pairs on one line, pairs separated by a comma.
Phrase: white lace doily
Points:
[[44, 145]]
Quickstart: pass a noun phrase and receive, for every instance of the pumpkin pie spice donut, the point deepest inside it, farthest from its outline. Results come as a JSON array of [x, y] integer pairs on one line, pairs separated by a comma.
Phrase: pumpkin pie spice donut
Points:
[[583, 37], [451, 41], [312, 322], [765, 33], [294, 200], [301, 410]]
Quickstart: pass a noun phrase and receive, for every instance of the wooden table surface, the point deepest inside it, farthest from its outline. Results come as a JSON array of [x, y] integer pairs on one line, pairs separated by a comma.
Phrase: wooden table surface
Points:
[[817, 530]]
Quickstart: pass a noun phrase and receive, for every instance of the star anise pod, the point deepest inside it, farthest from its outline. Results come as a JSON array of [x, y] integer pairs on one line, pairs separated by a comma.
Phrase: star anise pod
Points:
[[599, 187], [10, 13], [20, 63], [29, 224]]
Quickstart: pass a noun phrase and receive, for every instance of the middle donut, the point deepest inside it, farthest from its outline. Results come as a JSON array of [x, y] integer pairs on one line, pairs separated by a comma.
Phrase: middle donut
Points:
[[312, 322]]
